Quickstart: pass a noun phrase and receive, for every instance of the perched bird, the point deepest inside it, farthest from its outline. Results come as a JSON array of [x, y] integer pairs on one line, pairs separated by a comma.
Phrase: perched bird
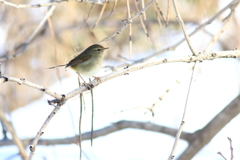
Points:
[[87, 63]]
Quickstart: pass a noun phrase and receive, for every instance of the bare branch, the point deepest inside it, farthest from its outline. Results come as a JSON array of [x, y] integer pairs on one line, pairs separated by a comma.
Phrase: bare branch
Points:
[[130, 29], [222, 155], [196, 142], [18, 6], [216, 36], [172, 155], [114, 127], [89, 13], [41, 131], [159, 10], [15, 138], [168, 10], [143, 25], [30, 38], [113, 9], [231, 148], [204, 56], [29, 84], [100, 15], [183, 28], [128, 21]]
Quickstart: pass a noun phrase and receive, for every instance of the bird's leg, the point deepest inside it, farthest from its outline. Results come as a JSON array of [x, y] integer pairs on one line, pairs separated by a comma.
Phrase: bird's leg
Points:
[[97, 78], [84, 82]]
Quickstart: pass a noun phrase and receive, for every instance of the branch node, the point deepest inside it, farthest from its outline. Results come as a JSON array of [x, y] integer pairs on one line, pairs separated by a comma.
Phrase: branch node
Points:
[[165, 60], [214, 54], [32, 149]]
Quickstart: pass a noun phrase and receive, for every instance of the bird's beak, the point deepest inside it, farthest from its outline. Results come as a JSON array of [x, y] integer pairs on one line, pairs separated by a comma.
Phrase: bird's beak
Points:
[[105, 48]]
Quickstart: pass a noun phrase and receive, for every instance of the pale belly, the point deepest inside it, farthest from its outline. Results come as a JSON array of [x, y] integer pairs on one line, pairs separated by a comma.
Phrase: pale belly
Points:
[[88, 68]]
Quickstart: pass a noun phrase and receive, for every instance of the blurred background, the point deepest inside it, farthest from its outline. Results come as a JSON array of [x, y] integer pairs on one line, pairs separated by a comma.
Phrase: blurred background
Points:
[[128, 97]]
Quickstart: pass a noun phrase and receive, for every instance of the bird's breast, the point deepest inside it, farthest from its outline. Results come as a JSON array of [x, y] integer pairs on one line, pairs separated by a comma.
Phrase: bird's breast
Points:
[[90, 67]]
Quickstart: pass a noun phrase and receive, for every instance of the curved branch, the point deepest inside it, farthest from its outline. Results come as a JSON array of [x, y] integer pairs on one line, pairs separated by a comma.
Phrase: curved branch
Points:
[[114, 127]]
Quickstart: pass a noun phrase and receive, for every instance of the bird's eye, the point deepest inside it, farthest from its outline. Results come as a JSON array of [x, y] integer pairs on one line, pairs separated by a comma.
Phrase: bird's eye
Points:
[[98, 49]]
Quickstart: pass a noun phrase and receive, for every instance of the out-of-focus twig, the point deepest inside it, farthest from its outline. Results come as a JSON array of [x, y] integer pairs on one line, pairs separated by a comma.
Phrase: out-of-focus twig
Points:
[[89, 13], [130, 29], [157, 15], [144, 13], [159, 10], [100, 15], [143, 25], [183, 28], [12, 131], [128, 21], [30, 38], [18, 6], [113, 9], [168, 10], [216, 36]]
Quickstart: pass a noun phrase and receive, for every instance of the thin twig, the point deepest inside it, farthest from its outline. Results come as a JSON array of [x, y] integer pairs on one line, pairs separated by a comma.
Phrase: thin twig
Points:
[[222, 155], [216, 36], [18, 6], [8, 125], [178, 81], [144, 13], [89, 13], [130, 29], [80, 120], [168, 10], [172, 155], [231, 5], [30, 38], [42, 129], [54, 47], [114, 7], [100, 15], [157, 15], [159, 10], [183, 28], [92, 122], [143, 25], [128, 21], [231, 148]]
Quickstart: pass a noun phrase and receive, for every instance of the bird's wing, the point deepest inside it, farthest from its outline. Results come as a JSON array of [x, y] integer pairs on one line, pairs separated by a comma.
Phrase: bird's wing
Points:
[[79, 59]]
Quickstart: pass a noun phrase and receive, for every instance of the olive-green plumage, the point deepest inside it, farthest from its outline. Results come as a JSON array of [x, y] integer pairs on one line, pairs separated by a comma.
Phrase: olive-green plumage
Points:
[[88, 62]]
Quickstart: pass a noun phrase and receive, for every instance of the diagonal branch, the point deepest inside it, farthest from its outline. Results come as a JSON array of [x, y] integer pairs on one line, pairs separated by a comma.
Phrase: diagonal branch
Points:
[[13, 133], [30, 38], [183, 28], [204, 136], [128, 21]]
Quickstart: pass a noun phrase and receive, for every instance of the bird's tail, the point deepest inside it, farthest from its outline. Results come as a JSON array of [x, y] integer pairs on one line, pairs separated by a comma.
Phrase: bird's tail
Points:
[[56, 66]]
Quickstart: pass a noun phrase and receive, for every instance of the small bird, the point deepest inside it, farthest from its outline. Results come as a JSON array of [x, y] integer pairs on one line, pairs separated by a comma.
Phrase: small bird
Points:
[[87, 63]]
